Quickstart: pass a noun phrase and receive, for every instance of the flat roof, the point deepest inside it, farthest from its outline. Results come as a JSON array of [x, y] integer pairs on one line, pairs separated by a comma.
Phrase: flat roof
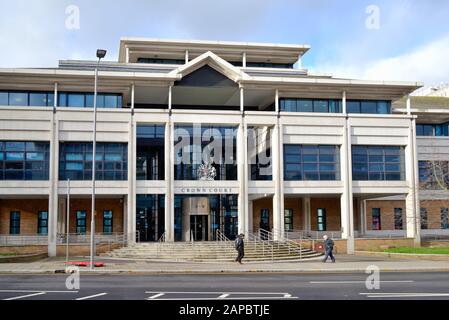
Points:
[[171, 48]]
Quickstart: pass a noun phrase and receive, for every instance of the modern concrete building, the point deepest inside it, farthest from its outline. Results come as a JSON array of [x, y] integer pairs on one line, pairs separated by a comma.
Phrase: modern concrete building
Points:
[[195, 136]]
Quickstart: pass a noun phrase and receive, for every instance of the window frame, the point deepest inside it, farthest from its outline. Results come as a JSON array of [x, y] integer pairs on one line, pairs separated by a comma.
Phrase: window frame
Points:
[[40, 224], [14, 222], [376, 220], [321, 222]]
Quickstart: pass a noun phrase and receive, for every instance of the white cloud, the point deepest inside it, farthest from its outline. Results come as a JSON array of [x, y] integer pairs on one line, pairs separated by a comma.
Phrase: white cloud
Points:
[[428, 63]]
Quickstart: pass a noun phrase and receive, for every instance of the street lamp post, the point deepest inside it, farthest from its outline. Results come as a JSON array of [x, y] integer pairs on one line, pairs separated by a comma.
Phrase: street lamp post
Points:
[[100, 55]]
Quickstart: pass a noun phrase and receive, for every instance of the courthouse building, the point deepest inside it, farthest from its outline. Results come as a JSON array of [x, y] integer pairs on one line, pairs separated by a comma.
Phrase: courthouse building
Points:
[[290, 151]]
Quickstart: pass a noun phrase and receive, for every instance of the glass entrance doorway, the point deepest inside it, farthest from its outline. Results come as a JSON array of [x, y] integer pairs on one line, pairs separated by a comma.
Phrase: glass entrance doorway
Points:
[[199, 228]]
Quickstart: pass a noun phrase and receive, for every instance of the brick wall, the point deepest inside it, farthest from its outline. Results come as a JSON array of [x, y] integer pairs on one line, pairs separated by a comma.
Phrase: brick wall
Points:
[[294, 204], [386, 213], [332, 207], [434, 212], [116, 205], [28, 208]]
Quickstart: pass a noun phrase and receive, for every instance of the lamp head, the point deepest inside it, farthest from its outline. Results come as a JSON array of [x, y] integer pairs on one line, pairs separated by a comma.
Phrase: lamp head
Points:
[[101, 53]]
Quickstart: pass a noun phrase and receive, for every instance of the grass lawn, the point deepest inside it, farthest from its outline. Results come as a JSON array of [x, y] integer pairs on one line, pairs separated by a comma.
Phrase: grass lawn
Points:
[[418, 250]]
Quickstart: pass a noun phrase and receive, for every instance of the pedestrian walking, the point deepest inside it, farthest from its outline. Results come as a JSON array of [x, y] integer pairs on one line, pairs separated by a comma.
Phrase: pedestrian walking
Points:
[[240, 247], [329, 248]]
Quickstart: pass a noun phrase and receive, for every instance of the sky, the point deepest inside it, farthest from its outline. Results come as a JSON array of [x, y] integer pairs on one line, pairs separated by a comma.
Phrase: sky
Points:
[[406, 40]]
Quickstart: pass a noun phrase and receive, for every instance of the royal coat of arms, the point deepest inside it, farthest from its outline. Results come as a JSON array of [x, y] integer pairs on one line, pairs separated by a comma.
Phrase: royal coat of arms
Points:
[[206, 172]]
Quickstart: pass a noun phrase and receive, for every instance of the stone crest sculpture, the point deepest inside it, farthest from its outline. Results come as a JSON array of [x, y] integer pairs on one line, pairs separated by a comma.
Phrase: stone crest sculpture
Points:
[[206, 172]]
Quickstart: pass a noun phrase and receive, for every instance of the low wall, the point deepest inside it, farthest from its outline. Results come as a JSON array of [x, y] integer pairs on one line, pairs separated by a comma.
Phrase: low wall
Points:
[[74, 249], [435, 243], [364, 244], [24, 258]]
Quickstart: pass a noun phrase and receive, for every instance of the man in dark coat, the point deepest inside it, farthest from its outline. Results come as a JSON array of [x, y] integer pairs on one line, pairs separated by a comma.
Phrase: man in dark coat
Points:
[[329, 248], [240, 247]]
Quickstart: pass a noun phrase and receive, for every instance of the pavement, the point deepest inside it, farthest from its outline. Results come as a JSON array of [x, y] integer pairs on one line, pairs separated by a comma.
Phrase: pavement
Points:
[[223, 288], [345, 263]]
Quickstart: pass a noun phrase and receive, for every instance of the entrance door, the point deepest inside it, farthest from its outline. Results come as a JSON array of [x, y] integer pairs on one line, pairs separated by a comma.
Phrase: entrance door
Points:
[[199, 227], [145, 226]]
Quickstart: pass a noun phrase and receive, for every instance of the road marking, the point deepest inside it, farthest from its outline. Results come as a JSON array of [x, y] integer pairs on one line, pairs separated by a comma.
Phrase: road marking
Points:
[[31, 291], [156, 296], [221, 295], [359, 281], [403, 295], [217, 292], [240, 298], [92, 296], [25, 296]]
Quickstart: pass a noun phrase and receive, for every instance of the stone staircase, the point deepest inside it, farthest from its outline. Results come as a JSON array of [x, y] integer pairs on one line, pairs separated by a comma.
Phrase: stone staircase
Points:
[[214, 251]]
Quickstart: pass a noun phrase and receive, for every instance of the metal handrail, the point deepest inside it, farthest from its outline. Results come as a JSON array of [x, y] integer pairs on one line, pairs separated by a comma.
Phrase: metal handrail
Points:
[[161, 240]]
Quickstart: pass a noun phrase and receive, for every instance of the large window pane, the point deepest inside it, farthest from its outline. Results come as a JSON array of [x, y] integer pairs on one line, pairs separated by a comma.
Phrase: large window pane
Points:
[[378, 163], [311, 162], [76, 100], [18, 99], [38, 99], [76, 161], [4, 99]]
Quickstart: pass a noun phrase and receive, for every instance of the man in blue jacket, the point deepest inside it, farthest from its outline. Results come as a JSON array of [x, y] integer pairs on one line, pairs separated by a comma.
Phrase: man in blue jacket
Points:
[[329, 248]]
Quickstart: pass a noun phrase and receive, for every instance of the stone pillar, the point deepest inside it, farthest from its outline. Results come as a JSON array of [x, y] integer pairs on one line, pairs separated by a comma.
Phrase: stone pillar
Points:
[[250, 216], [413, 226], [242, 167], [170, 174], [278, 199], [307, 214]]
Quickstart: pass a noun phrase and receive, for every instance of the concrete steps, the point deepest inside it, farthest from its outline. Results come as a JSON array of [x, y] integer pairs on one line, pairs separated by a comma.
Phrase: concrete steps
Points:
[[212, 251]]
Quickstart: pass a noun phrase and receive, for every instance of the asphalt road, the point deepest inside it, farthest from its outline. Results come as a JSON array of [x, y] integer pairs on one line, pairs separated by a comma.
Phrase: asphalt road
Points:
[[432, 286]]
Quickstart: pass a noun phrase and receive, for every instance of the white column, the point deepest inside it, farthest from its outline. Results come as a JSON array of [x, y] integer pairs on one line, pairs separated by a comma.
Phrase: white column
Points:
[[277, 215], [250, 216], [187, 56], [53, 179], [412, 199], [170, 173], [409, 105], [241, 167], [244, 60], [362, 216], [347, 218], [127, 55], [307, 214]]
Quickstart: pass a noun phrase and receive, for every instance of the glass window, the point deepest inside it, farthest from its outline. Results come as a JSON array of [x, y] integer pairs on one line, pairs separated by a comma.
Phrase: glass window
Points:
[[265, 219], [38, 99], [368, 107], [76, 100], [288, 220], [18, 99], [4, 99], [321, 219], [107, 221], [378, 163], [24, 160], [423, 218], [353, 106], [190, 153], [444, 218], [305, 105], [81, 222], [398, 221], [376, 223], [42, 222], [14, 223], [311, 162], [76, 161], [383, 107], [320, 106]]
